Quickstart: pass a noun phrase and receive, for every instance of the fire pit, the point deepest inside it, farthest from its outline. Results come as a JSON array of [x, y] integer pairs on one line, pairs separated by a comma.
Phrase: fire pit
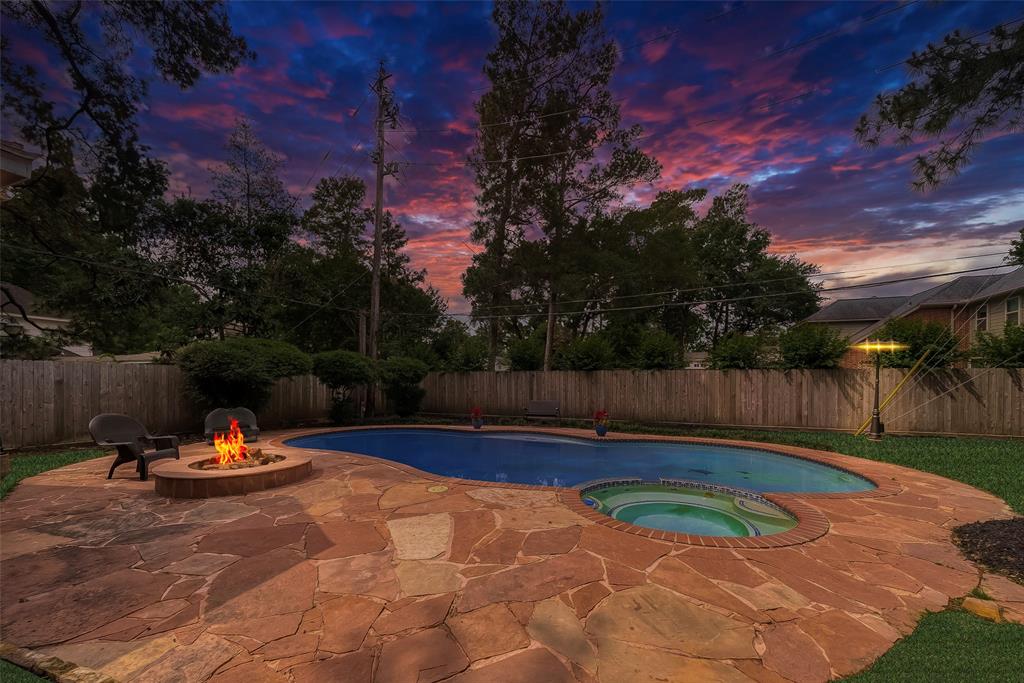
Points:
[[233, 454], [234, 471]]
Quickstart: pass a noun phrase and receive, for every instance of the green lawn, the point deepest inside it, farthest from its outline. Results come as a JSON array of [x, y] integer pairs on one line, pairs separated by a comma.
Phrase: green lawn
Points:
[[9, 673], [951, 646], [30, 464]]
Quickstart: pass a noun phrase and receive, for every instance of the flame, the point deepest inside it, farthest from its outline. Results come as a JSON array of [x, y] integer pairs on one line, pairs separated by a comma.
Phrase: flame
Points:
[[231, 446]]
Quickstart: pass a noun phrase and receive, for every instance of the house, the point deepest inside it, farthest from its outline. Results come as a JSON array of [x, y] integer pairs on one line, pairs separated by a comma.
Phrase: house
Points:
[[967, 305], [15, 163], [21, 314]]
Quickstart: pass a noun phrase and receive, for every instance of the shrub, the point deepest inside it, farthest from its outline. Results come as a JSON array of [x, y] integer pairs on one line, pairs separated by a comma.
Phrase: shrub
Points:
[[401, 377], [1005, 352], [342, 371], [811, 346], [593, 352], [920, 336], [238, 370], [526, 354], [656, 350], [739, 352]]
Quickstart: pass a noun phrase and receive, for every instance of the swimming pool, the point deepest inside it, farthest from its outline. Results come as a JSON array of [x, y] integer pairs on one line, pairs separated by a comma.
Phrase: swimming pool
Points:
[[554, 460]]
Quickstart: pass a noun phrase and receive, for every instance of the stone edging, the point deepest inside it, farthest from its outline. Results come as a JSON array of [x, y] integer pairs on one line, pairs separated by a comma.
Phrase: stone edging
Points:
[[53, 668], [811, 522]]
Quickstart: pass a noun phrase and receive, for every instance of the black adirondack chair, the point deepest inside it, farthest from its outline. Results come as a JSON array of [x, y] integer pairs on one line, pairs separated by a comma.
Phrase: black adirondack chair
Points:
[[131, 440]]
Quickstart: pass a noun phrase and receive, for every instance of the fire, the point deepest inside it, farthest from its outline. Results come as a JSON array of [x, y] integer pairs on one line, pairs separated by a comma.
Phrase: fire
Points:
[[231, 446]]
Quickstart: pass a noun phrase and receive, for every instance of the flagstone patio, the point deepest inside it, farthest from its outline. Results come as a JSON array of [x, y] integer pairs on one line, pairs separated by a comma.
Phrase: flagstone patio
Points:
[[372, 571]]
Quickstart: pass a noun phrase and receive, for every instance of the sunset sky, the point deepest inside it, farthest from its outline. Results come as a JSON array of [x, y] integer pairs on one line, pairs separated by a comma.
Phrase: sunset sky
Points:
[[761, 93]]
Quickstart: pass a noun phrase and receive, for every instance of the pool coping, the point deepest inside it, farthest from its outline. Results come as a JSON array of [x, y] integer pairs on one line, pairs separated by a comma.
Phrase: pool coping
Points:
[[811, 522]]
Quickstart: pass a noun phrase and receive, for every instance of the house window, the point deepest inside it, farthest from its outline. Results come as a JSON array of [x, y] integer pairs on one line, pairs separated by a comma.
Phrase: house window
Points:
[[982, 318], [1013, 311]]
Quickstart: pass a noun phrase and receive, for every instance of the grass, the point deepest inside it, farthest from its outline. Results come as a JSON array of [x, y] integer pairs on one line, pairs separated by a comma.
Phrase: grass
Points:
[[10, 673], [951, 646], [31, 464]]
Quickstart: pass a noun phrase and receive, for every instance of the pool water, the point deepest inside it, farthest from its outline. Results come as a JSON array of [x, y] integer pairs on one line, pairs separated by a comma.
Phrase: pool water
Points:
[[552, 460], [689, 510]]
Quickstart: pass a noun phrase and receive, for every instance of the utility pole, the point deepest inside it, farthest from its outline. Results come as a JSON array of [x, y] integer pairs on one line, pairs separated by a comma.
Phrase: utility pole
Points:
[[380, 88], [387, 113]]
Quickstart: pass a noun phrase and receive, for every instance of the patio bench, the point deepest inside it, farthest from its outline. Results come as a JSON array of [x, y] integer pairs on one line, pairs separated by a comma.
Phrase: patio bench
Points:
[[219, 422], [543, 410], [130, 438]]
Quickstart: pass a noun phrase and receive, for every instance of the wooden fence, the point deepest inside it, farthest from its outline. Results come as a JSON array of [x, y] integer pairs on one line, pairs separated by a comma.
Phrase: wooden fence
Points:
[[45, 402], [976, 401]]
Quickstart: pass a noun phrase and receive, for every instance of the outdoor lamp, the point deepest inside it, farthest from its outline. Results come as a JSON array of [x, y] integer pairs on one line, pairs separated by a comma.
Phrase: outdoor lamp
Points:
[[878, 348]]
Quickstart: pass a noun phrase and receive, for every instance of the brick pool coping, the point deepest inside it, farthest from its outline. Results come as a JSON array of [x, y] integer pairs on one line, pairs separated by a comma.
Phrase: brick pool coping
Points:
[[811, 522]]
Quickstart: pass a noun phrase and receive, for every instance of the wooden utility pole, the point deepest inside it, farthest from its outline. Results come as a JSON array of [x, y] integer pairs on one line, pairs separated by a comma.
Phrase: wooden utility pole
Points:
[[380, 88]]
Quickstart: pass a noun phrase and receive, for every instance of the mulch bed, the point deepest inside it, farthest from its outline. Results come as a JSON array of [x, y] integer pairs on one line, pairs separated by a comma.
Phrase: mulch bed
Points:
[[997, 544]]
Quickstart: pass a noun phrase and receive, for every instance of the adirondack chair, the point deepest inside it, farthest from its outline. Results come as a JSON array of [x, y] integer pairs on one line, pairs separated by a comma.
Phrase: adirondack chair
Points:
[[219, 422], [131, 439]]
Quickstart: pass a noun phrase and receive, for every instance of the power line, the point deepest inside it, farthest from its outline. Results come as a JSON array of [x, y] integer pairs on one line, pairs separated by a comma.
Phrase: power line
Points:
[[864, 19], [746, 284], [970, 37], [674, 304]]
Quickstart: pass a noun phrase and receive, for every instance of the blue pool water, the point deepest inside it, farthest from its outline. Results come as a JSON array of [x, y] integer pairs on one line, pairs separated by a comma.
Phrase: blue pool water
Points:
[[526, 458]]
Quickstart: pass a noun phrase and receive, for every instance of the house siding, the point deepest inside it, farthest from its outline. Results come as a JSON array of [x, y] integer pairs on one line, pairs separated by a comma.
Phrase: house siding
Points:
[[996, 314]]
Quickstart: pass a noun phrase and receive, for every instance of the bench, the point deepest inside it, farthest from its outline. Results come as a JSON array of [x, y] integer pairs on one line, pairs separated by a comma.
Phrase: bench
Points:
[[543, 410]]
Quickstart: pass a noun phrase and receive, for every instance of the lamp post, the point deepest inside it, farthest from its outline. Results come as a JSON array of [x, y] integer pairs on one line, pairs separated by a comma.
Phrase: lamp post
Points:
[[877, 348]]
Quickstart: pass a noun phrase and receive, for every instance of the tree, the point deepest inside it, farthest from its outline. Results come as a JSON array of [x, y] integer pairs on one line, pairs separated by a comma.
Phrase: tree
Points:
[[337, 218], [401, 378], [811, 346], [72, 231], [920, 336], [563, 69], [249, 188], [342, 371], [967, 87], [592, 352], [1006, 351], [750, 288], [740, 352], [1016, 255], [656, 350]]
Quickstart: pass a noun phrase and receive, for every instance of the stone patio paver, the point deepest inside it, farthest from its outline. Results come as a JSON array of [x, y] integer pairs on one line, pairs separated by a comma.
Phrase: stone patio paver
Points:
[[370, 570]]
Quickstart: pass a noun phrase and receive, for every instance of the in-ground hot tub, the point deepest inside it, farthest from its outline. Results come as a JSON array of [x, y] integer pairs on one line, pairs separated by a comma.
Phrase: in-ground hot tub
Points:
[[688, 508]]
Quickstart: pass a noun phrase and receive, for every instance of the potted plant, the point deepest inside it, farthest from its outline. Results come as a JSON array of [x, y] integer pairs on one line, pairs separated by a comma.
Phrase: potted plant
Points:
[[601, 422], [477, 417]]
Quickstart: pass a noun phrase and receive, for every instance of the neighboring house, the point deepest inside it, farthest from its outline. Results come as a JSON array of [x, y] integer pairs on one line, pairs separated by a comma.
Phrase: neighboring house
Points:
[[15, 163], [696, 360], [967, 305], [13, 314]]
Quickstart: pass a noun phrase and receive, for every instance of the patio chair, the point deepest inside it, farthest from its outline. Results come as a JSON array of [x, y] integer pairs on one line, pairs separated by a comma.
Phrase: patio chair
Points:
[[219, 422], [131, 438]]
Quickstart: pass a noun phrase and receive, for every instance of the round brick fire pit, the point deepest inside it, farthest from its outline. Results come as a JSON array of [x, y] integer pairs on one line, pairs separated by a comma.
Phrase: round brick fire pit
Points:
[[179, 479]]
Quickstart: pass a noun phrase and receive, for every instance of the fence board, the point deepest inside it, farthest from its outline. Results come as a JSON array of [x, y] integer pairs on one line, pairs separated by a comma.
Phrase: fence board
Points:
[[986, 402]]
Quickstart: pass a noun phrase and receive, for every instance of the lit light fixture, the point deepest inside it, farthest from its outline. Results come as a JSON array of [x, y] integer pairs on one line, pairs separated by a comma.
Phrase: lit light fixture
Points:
[[878, 347]]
